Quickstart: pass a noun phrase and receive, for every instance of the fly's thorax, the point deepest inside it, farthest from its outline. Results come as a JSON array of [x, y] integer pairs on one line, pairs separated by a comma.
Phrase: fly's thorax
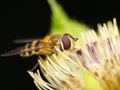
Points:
[[46, 38], [55, 39]]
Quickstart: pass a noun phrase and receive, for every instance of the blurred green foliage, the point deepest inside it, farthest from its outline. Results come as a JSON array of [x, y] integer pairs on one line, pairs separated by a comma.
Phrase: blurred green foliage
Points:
[[61, 23]]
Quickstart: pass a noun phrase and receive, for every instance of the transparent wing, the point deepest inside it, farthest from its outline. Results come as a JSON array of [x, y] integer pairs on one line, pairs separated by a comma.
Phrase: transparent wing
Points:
[[12, 52], [26, 48], [20, 41]]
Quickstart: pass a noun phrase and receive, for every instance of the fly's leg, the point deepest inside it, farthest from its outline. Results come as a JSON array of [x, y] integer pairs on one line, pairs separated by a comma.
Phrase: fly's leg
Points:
[[36, 65]]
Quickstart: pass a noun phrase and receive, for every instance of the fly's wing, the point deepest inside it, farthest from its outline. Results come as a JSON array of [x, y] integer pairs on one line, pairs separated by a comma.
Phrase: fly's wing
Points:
[[21, 41], [27, 48], [12, 52]]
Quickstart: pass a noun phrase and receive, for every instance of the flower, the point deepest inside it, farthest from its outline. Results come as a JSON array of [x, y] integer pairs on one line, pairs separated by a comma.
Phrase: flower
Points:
[[94, 63]]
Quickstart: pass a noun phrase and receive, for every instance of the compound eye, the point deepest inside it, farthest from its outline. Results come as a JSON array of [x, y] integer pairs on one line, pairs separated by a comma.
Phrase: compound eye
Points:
[[66, 42]]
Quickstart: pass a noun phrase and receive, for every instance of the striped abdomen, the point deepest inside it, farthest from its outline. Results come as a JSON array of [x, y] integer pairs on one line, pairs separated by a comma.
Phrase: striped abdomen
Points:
[[36, 48]]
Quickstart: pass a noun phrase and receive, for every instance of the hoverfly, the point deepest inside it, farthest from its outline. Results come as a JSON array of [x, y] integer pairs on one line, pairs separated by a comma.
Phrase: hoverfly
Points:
[[43, 47]]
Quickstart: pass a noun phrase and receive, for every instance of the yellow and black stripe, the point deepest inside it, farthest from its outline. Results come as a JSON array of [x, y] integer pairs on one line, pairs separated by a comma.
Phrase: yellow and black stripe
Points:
[[30, 49]]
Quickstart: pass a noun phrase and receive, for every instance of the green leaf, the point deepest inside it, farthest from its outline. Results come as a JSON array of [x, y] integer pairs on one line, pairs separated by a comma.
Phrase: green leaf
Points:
[[61, 23]]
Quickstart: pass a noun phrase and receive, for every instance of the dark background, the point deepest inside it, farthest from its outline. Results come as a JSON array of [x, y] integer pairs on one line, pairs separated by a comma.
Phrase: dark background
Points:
[[31, 19]]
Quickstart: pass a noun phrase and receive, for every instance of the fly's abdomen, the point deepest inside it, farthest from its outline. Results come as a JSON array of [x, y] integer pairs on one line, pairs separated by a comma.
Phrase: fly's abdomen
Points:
[[30, 49]]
